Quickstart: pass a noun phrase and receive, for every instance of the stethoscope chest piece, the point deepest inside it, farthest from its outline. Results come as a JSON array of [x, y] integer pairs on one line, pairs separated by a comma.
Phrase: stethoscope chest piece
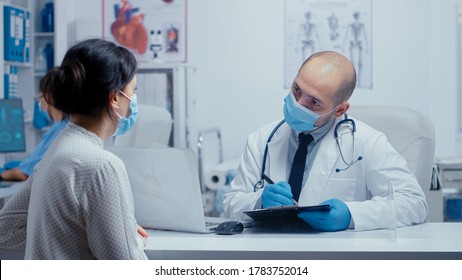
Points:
[[259, 185]]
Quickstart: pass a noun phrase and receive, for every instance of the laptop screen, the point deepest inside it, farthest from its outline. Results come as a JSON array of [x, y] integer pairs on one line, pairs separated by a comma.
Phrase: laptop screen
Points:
[[12, 138], [165, 187]]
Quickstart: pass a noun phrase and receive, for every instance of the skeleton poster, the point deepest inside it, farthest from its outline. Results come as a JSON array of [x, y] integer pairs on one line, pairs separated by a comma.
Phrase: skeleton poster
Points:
[[344, 26]]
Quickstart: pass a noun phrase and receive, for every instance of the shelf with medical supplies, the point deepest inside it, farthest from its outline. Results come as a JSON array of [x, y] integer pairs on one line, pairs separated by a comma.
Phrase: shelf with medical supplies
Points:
[[28, 28], [44, 39], [21, 32], [166, 85], [450, 180], [451, 176], [15, 48]]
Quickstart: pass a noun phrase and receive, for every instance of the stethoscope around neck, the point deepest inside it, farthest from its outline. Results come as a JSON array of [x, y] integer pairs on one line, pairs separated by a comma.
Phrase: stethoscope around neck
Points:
[[260, 184]]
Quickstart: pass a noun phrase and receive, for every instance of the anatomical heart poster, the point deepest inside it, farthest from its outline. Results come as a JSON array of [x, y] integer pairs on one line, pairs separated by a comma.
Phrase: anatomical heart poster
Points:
[[154, 30]]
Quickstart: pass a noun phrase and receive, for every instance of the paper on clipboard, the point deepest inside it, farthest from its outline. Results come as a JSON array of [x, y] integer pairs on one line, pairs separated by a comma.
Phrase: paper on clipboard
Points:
[[283, 214]]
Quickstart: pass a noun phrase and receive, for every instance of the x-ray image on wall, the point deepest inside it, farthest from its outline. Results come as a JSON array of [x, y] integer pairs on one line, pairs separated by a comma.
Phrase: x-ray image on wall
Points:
[[344, 26]]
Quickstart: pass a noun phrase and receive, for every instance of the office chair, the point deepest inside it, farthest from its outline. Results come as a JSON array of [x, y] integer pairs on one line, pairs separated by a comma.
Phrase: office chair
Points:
[[152, 129], [412, 134]]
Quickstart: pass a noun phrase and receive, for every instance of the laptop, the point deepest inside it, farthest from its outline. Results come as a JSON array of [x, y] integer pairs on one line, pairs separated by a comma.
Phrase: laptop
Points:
[[166, 189]]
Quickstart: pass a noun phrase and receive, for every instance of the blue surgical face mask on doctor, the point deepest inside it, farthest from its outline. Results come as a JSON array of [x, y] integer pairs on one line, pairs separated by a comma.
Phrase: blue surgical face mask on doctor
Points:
[[127, 123], [41, 118], [298, 117]]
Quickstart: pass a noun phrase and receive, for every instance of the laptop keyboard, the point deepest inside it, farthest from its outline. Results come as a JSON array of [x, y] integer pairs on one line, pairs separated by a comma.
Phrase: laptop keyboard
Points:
[[210, 223]]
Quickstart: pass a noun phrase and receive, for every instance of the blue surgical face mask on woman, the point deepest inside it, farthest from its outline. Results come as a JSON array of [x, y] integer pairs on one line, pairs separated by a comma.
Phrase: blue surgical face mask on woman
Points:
[[298, 117], [127, 123]]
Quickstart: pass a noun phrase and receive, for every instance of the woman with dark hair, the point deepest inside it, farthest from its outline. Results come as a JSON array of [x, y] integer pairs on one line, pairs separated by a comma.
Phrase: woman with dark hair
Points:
[[78, 202]]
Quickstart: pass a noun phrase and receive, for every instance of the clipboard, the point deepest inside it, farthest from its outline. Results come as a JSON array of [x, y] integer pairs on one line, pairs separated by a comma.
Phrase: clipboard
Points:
[[284, 214]]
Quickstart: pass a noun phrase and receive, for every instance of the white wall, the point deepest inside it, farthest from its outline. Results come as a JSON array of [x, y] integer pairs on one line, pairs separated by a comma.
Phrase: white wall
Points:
[[238, 49], [444, 84]]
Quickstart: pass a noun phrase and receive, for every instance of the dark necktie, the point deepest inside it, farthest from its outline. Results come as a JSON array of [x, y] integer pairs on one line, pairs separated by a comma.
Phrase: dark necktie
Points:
[[298, 165]]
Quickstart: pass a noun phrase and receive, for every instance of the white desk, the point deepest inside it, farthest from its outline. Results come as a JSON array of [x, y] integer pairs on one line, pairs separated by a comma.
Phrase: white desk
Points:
[[426, 241]]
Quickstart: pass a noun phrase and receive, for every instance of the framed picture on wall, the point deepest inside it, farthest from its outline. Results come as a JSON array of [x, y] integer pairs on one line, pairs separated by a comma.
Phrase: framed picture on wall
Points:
[[344, 26], [154, 30]]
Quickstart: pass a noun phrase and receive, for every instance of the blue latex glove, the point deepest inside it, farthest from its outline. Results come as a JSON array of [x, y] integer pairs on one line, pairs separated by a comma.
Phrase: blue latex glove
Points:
[[338, 218], [279, 194], [12, 164]]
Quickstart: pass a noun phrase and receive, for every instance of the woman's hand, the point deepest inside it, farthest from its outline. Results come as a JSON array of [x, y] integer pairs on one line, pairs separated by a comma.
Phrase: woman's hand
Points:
[[143, 234]]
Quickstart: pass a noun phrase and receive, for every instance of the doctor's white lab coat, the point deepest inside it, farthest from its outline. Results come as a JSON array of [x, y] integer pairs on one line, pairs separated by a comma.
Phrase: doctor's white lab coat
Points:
[[363, 187]]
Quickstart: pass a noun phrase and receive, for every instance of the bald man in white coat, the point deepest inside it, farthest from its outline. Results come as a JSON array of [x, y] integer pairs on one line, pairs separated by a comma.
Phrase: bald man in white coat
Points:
[[352, 175]]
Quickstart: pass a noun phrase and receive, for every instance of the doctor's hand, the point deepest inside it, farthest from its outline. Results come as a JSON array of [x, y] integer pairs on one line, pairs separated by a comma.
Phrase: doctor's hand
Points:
[[278, 194], [338, 218]]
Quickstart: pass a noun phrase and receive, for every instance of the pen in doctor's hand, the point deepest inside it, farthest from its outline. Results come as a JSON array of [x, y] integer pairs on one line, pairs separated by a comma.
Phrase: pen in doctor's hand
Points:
[[269, 181]]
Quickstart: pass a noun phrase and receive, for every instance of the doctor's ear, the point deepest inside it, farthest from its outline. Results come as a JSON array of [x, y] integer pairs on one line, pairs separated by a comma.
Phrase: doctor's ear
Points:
[[342, 108]]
